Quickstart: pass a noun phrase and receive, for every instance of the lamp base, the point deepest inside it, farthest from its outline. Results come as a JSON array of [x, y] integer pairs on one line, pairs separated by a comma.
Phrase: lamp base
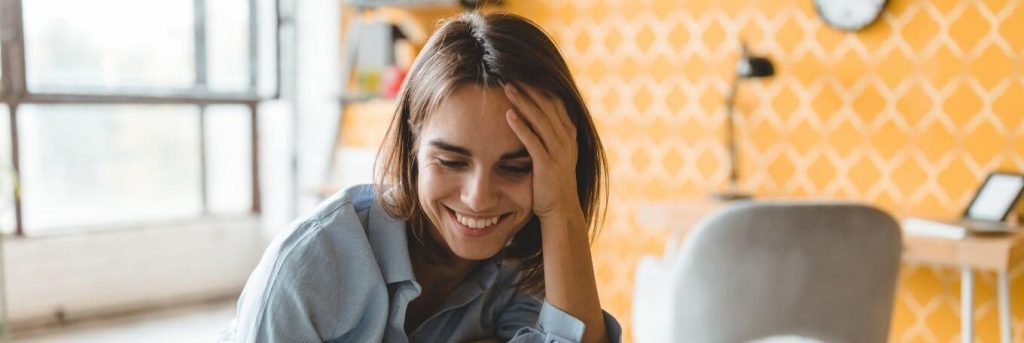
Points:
[[730, 196]]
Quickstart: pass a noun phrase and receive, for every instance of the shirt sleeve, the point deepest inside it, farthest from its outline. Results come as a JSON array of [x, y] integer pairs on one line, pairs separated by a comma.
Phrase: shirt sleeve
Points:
[[275, 304], [527, 319], [299, 292]]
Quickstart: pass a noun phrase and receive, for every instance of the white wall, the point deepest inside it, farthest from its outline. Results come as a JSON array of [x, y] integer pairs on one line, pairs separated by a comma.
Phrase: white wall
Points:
[[128, 269]]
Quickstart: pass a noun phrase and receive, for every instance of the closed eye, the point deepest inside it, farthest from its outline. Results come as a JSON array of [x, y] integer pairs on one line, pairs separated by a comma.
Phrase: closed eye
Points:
[[451, 164], [517, 171]]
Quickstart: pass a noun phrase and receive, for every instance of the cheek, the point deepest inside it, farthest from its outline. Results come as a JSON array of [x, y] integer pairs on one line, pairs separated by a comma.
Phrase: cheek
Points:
[[431, 189], [522, 194], [432, 184]]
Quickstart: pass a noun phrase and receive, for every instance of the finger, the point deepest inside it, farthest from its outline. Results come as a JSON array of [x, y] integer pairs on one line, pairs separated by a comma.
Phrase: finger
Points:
[[563, 116], [532, 115], [571, 148], [533, 144], [555, 111], [544, 102]]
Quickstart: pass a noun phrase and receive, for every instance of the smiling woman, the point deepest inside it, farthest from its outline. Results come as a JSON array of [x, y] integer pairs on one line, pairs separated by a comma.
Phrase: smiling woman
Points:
[[489, 183], [473, 174]]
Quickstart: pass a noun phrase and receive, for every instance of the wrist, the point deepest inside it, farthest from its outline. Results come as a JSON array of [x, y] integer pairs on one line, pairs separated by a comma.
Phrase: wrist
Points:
[[565, 211], [569, 220]]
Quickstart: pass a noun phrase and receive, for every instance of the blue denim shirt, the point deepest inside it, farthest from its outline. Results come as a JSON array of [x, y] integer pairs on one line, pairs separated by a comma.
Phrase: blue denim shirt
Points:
[[343, 274]]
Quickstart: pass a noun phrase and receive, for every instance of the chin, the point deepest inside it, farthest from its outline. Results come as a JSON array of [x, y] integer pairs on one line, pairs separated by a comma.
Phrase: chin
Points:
[[475, 257], [474, 253], [478, 244]]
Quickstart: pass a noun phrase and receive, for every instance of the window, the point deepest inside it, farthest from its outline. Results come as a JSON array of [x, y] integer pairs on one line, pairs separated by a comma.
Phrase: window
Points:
[[7, 181], [97, 164], [129, 111], [227, 46], [109, 45], [228, 166]]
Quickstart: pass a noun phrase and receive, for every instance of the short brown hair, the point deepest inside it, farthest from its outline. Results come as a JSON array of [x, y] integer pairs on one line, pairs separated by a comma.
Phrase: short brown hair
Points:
[[487, 50]]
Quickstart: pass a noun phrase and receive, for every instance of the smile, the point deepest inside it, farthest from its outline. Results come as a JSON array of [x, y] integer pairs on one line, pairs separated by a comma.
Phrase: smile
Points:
[[477, 223]]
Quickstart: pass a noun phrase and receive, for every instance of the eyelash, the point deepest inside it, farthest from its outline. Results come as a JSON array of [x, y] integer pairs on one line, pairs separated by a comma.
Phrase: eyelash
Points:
[[514, 171], [450, 164]]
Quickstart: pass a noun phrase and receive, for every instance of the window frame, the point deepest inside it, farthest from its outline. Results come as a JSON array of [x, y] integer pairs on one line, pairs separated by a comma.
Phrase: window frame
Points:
[[14, 91]]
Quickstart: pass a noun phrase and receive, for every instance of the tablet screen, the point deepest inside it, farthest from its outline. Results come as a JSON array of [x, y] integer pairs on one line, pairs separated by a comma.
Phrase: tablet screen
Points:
[[996, 197]]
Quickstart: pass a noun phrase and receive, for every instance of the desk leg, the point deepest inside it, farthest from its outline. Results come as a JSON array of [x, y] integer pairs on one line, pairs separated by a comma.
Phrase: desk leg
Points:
[[1005, 316], [966, 306]]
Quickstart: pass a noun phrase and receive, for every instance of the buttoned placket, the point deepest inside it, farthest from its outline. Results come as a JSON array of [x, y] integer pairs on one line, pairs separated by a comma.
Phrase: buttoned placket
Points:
[[404, 293], [481, 278]]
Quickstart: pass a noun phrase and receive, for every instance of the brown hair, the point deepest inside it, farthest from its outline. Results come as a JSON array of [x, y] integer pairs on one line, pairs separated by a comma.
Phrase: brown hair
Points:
[[487, 50]]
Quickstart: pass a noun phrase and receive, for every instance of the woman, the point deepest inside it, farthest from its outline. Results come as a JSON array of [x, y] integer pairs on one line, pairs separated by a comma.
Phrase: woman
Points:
[[489, 180]]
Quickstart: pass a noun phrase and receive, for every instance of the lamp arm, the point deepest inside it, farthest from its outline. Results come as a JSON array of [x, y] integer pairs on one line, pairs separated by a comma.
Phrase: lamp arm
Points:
[[730, 139]]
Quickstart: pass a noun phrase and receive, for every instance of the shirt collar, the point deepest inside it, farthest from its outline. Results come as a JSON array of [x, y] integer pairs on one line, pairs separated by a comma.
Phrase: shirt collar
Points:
[[390, 242], [388, 239]]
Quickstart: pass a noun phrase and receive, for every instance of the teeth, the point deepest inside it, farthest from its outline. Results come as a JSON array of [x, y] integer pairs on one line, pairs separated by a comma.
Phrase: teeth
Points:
[[476, 223]]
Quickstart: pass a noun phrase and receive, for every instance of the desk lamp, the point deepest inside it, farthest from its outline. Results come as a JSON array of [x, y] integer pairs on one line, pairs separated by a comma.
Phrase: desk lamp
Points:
[[748, 67]]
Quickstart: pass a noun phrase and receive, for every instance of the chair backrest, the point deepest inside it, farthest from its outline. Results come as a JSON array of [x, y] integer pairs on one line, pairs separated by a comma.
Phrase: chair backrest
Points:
[[825, 271]]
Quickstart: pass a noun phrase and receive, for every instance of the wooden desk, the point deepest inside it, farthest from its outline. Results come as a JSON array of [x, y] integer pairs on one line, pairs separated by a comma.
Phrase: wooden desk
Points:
[[986, 253], [989, 253]]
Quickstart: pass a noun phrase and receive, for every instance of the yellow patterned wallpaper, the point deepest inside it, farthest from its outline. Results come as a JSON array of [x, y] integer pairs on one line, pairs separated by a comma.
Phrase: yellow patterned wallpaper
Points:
[[909, 114]]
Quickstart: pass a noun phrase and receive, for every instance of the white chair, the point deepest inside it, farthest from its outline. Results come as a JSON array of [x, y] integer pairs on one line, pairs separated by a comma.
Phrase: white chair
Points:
[[821, 271]]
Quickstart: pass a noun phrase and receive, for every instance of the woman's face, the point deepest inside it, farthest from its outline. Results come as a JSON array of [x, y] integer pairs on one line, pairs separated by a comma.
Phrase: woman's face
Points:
[[475, 180]]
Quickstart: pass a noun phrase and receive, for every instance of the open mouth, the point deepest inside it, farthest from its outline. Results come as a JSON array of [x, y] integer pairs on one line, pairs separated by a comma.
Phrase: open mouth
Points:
[[475, 223]]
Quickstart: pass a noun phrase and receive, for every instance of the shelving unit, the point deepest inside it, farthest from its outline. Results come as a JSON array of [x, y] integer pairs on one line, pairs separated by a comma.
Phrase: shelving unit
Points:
[[369, 113]]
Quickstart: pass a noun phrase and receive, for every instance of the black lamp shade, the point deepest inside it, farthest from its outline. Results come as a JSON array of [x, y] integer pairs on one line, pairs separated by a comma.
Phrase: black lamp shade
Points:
[[754, 66]]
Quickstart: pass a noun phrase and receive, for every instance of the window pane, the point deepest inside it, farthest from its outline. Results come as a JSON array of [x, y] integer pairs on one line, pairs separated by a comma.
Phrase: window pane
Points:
[[95, 164], [122, 44], [1, 69], [228, 159], [227, 45], [7, 179], [268, 33]]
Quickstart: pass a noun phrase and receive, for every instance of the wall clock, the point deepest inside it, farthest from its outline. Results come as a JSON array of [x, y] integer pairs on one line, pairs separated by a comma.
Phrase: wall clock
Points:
[[849, 15]]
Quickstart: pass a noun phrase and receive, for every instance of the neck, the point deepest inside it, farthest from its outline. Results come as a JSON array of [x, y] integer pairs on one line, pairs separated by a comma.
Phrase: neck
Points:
[[436, 276]]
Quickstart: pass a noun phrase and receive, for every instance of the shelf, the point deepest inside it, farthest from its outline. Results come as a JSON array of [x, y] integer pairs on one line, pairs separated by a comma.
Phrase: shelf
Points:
[[361, 98]]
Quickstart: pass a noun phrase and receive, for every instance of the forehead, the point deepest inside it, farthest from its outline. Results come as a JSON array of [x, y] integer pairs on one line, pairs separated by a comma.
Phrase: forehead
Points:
[[472, 117]]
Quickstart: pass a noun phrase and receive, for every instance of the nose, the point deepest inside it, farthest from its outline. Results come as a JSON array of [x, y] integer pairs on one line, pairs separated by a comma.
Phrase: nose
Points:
[[479, 192]]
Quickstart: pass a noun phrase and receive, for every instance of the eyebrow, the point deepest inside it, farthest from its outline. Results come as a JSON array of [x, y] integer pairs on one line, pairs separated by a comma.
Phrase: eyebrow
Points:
[[440, 144]]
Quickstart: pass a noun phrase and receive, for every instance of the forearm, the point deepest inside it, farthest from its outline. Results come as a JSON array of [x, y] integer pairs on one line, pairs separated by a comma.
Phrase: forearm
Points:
[[569, 273]]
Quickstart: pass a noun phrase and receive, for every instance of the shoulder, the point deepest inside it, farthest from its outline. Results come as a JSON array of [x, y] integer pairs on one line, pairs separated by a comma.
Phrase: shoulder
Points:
[[357, 199], [323, 259], [334, 218], [339, 223], [348, 235]]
